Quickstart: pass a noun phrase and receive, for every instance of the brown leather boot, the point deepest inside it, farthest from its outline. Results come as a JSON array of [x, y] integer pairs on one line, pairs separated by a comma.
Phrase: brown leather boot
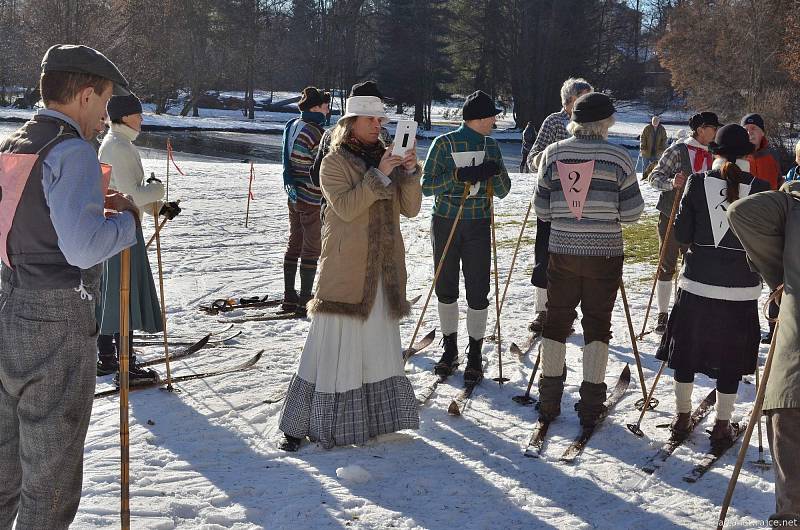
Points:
[[680, 426], [722, 435], [550, 390]]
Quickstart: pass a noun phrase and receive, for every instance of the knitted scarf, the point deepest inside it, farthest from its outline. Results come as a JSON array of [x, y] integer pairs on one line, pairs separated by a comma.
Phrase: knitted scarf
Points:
[[370, 154]]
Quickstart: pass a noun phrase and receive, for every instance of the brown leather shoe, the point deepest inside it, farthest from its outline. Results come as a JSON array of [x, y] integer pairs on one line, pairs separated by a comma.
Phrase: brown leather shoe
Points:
[[680, 426]]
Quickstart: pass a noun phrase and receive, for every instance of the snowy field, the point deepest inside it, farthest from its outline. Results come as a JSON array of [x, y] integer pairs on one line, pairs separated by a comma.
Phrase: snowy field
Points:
[[206, 457]]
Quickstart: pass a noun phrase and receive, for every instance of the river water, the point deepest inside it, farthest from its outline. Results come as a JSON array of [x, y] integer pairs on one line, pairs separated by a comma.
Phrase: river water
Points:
[[238, 147]]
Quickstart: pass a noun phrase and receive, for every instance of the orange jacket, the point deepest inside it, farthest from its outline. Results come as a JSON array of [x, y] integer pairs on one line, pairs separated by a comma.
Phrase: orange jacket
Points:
[[764, 165]]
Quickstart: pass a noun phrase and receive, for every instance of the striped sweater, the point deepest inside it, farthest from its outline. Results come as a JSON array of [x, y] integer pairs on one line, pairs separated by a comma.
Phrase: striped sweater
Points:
[[613, 197], [301, 159]]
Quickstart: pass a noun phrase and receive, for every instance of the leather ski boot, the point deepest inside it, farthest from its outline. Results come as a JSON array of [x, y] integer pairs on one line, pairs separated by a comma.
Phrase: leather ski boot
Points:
[[550, 390], [537, 325], [449, 361], [592, 403], [661, 324], [473, 373], [680, 426], [722, 435]]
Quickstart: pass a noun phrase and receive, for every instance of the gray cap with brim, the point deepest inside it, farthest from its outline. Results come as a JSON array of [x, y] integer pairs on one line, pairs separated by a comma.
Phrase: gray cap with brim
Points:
[[84, 60]]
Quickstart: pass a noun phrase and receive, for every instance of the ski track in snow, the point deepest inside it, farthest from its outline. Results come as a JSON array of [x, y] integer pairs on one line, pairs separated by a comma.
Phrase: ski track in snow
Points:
[[210, 460]]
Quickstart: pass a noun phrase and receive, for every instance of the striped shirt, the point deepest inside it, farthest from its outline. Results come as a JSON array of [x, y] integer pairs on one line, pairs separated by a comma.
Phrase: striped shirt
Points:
[[301, 158], [439, 174], [613, 198]]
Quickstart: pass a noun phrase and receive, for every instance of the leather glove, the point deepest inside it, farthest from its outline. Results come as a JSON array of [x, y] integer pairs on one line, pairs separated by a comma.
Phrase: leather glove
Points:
[[153, 178], [479, 173], [170, 210]]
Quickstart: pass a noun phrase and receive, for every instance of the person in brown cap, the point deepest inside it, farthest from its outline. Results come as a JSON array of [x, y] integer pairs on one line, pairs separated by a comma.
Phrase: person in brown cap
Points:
[[301, 140], [54, 236]]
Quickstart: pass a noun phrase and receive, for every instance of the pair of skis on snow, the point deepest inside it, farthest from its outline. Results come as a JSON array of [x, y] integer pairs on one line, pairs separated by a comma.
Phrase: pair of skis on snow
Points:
[[656, 461], [183, 354]]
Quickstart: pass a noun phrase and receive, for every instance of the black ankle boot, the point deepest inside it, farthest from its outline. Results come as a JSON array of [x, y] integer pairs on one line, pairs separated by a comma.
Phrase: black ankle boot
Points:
[[449, 361], [473, 373]]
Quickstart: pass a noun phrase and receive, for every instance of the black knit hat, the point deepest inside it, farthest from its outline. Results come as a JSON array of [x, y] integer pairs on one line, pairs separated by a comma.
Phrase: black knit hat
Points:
[[120, 106], [593, 106], [731, 142], [704, 119], [479, 105], [312, 96], [754, 119], [366, 88]]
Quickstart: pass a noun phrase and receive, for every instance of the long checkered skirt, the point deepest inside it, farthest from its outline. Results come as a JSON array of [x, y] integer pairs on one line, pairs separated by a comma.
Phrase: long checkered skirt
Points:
[[350, 385]]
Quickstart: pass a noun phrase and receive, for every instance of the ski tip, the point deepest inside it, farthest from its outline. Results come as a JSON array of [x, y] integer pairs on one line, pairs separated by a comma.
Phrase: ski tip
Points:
[[431, 335], [454, 409], [202, 342], [415, 299], [626, 373], [515, 349]]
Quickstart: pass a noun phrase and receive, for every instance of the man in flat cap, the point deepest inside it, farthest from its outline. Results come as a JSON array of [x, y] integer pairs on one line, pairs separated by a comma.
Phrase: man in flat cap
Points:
[[445, 175], [53, 235]]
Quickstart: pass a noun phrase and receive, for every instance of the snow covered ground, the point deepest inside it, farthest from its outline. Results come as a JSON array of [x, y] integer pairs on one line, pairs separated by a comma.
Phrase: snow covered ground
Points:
[[205, 457]]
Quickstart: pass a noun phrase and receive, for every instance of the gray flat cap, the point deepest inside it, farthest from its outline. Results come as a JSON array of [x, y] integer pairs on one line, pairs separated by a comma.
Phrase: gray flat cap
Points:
[[84, 60]]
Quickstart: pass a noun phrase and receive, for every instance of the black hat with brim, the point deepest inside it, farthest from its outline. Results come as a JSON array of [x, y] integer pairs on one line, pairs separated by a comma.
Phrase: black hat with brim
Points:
[[366, 88], [731, 142], [81, 59], [704, 119], [479, 105]]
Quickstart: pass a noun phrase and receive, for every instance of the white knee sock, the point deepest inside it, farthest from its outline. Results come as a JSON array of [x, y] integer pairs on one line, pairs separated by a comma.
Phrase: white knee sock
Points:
[[553, 355], [595, 359], [664, 294], [541, 299], [725, 404], [683, 397], [448, 317], [476, 322]]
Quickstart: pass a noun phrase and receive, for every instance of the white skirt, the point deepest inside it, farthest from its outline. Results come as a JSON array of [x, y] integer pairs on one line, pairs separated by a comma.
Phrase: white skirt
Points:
[[350, 384]]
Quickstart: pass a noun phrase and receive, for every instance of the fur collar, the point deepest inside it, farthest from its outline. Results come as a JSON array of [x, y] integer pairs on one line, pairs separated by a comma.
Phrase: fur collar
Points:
[[744, 165]]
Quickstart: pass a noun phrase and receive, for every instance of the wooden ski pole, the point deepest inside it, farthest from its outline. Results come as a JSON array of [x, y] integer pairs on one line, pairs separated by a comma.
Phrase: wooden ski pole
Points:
[[760, 462], [755, 416], [513, 262], [158, 229], [646, 403], [169, 155], [662, 253], [500, 379], [163, 303], [440, 264], [124, 355], [637, 427], [249, 194]]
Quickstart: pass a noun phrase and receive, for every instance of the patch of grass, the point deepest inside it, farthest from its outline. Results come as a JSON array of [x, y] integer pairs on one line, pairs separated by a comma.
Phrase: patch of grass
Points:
[[641, 240], [527, 242]]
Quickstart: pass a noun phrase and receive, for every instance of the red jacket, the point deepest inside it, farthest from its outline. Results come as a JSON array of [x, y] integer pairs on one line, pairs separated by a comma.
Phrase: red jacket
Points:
[[764, 165]]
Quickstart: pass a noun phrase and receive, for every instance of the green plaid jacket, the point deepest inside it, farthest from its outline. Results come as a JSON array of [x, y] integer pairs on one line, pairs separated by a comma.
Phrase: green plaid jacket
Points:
[[439, 174]]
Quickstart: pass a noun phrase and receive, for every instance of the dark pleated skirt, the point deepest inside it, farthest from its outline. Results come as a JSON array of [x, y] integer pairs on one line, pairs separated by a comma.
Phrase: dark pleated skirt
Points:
[[718, 338]]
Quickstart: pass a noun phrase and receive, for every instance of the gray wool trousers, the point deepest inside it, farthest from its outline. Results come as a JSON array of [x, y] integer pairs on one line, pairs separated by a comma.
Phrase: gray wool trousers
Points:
[[47, 381]]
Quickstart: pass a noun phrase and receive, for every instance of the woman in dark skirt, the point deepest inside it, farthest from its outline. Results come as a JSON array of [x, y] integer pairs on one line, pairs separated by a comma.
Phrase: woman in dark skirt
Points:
[[713, 328]]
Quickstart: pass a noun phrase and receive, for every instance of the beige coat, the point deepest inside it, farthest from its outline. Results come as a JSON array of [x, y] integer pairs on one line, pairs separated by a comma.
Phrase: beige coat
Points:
[[361, 239]]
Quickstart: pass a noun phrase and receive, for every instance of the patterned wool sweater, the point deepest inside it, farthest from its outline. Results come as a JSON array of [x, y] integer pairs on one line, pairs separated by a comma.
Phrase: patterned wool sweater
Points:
[[613, 197]]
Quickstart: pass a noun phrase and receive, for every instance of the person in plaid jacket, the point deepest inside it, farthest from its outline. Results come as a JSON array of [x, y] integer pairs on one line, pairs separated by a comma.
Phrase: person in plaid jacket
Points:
[[554, 129], [471, 244], [680, 160]]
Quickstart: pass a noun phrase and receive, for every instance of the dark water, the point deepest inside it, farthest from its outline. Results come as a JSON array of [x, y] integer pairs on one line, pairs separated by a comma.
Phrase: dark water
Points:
[[238, 146]]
